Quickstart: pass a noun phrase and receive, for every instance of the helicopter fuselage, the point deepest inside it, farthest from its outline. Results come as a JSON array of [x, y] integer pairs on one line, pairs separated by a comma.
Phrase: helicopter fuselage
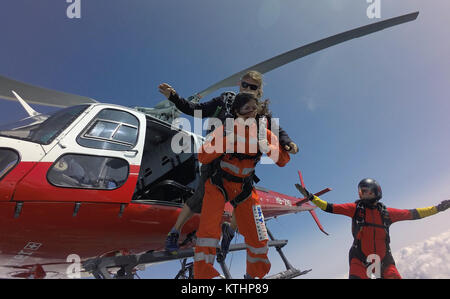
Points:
[[94, 180]]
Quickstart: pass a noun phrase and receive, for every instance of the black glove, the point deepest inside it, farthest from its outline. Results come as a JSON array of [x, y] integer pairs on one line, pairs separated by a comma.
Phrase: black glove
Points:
[[444, 205], [308, 195]]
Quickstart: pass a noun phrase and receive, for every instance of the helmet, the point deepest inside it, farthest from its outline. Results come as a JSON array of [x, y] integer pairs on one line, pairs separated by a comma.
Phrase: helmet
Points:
[[372, 185]]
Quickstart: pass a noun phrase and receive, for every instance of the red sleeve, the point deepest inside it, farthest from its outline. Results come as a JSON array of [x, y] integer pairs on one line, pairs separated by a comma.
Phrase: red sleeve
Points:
[[347, 209], [399, 215]]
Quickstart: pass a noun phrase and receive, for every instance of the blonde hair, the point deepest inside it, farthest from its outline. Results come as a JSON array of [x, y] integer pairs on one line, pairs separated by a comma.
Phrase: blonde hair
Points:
[[257, 77]]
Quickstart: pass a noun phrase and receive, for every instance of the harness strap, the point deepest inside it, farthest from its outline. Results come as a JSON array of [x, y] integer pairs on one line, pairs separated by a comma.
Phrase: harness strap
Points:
[[359, 221], [242, 156], [247, 185], [372, 224]]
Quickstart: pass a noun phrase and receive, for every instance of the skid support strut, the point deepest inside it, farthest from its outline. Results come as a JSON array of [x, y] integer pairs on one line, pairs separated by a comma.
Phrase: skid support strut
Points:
[[290, 272]]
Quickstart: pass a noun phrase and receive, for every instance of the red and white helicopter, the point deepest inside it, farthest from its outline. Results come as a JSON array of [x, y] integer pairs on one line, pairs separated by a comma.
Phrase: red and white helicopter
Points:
[[100, 183]]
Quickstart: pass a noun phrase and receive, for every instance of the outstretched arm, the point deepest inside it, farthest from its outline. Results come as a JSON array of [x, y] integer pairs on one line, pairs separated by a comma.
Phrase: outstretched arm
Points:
[[347, 209], [414, 214], [208, 108]]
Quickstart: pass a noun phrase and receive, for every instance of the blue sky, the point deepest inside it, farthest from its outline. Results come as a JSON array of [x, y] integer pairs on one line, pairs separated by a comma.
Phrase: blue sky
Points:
[[373, 107]]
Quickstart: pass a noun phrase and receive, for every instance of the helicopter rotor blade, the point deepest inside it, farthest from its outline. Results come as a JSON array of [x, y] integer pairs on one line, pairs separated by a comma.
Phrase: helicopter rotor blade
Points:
[[39, 95], [43, 96], [308, 49]]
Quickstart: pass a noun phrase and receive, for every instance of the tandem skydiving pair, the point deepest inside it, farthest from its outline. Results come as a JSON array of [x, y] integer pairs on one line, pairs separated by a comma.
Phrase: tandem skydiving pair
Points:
[[370, 255], [228, 175]]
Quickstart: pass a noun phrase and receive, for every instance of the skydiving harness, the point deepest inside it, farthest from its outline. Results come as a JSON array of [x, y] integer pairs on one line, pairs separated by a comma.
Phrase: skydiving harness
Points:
[[359, 222], [228, 99], [218, 175], [223, 111]]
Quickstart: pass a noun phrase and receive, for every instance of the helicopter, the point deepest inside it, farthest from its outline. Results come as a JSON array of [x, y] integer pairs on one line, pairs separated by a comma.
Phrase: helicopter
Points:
[[101, 182]]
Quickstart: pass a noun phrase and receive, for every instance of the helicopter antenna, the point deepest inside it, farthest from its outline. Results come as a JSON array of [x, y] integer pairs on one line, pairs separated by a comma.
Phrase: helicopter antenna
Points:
[[30, 111]]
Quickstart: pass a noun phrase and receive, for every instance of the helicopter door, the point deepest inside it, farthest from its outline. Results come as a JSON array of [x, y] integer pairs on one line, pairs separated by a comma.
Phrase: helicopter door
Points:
[[97, 161], [17, 157]]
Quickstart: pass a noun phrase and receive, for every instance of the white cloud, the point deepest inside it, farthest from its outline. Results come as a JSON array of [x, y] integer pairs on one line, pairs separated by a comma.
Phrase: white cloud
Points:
[[427, 259]]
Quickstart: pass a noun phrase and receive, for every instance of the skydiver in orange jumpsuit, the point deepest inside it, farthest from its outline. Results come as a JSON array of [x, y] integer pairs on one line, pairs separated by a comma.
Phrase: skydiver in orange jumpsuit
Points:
[[235, 156]]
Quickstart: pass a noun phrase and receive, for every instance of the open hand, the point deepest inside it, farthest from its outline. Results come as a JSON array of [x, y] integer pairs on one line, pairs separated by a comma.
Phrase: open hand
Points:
[[166, 89]]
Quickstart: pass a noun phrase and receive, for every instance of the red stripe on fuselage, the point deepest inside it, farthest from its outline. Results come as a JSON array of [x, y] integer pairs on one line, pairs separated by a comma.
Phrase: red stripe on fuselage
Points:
[[96, 229]]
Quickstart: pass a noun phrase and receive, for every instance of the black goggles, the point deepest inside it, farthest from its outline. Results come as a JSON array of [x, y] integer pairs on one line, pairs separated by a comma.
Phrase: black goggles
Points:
[[248, 85]]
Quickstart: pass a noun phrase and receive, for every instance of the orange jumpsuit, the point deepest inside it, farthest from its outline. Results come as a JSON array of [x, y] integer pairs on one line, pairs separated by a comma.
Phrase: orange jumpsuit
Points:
[[248, 213]]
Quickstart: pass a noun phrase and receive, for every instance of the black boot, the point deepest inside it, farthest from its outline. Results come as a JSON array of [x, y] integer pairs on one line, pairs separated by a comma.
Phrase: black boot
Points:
[[227, 236]]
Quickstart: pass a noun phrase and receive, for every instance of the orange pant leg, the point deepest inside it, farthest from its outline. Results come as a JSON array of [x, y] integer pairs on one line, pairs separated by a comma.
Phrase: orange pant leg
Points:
[[251, 225], [209, 233]]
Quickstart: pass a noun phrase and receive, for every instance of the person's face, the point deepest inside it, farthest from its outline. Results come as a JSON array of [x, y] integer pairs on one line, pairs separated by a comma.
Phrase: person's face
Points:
[[248, 85], [249, 110], [366, 193]]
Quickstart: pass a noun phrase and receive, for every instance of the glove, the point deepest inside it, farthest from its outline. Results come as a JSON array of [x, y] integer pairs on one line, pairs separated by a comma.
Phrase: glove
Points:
[[308, 195], [292, 148], [444, 205]]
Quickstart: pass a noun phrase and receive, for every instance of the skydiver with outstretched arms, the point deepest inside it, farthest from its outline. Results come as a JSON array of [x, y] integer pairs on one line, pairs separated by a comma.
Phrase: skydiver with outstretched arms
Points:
[[370, 228]]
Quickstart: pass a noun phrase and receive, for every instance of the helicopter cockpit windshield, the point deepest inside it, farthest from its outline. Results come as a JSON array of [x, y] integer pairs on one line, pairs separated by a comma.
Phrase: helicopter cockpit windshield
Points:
[[42, 129]]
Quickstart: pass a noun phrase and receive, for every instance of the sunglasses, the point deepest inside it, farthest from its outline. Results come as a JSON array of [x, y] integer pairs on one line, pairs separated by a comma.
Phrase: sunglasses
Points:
[[248, 85]]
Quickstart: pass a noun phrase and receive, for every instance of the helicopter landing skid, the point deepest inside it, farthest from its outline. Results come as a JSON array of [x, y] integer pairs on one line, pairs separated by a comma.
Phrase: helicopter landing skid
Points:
[[101, 268]]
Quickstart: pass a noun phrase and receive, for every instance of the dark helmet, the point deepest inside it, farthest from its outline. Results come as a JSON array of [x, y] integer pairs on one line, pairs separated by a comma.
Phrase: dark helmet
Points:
[[372, 185]]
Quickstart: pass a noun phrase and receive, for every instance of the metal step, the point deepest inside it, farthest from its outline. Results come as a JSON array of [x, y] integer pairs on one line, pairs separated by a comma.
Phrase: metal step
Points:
[[288, 274]]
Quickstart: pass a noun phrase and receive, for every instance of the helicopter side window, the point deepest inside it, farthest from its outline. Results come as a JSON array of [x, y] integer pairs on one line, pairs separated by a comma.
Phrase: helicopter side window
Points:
[[8, 160], [88, 172], [111, 130]]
